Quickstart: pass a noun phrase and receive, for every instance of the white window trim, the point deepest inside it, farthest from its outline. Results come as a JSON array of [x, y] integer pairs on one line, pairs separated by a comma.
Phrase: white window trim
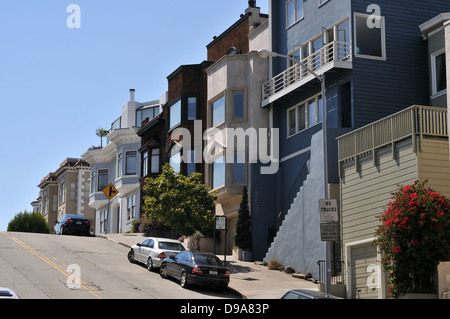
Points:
[[211, 108], [296, 19], [322, 3], [435, 93], [383, 38], [307, 124]]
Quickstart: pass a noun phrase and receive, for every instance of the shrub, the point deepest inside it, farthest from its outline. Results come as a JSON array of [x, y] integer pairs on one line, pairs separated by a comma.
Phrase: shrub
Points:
[[28, 223], [414, 235], [274, 264]]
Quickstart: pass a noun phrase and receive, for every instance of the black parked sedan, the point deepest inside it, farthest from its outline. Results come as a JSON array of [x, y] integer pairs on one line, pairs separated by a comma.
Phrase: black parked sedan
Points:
[[72, 224], [196, 268]]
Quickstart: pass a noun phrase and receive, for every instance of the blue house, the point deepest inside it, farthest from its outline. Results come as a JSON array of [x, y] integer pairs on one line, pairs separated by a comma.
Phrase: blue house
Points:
[[372, 61]]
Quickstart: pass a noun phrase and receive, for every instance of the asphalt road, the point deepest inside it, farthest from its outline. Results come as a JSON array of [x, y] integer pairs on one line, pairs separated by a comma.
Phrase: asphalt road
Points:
[[41, 266]]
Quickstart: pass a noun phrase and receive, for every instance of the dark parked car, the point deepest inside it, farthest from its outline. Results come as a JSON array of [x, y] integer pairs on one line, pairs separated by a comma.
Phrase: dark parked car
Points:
[[196, 268], [307, 294], [72, 224]]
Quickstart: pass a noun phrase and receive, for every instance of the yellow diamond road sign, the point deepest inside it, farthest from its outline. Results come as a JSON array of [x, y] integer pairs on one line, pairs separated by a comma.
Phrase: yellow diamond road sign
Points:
[[110, 191]]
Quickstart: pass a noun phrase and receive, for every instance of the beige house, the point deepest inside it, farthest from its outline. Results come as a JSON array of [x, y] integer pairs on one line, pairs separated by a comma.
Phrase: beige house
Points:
[[234, 102], [373, 160], [66, 191]]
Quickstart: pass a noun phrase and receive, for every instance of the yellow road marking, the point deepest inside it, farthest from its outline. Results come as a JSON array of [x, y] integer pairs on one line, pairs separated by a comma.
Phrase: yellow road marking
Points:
[[52, 264]]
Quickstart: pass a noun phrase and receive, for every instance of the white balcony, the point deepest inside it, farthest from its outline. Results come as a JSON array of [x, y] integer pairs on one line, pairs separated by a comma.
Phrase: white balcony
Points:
[[332, 55]]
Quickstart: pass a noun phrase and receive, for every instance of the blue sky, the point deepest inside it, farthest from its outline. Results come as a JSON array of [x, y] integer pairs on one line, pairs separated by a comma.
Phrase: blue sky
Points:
[[58, 85]]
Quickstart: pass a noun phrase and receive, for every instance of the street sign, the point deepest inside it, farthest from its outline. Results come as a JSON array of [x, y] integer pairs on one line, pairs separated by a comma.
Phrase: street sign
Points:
[[329, 232], [221, 223], [110, 191], [328, 211]]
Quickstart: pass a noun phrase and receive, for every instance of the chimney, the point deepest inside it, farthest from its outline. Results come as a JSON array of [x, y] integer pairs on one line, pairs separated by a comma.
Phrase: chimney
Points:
[[132, 91], [252, 3]]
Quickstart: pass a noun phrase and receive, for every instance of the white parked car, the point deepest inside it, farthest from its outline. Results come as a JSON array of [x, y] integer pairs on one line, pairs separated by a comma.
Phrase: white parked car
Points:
[[6, 293], [152, 251]]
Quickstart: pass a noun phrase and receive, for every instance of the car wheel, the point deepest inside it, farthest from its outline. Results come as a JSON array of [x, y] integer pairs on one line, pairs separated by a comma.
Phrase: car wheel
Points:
[[183, 280], [131, 256], [163, 271], [150, 264]]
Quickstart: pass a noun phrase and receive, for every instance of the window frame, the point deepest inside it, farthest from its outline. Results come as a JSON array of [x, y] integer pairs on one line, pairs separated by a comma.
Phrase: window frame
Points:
[[223, 116], [152, 157], [383, 38], [178, 119], [234, 93], [434, 73], [297, 111], [188, 104], [296, 18], [128, 155], [218, 160], [102, 172]]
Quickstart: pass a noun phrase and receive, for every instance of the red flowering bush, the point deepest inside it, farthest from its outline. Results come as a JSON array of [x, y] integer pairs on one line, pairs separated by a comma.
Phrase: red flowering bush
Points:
[[413, 237]]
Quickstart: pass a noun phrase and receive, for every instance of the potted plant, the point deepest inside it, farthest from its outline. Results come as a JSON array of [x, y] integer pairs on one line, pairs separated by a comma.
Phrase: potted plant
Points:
[[413, 237], [243, 237]]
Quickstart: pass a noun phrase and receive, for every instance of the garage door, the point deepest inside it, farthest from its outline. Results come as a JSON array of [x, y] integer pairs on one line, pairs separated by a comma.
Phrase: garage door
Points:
[[364, 272]]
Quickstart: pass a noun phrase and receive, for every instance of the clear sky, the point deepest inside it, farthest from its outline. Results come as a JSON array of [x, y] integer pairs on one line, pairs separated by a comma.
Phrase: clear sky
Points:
[[59, 84]]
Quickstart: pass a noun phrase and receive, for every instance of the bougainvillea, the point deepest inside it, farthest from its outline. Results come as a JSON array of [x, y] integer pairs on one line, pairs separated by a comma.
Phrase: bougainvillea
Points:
[[413, 236]]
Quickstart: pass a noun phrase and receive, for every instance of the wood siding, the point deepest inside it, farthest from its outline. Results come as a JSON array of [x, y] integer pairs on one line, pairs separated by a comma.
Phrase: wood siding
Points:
[[367, 190], [434, 164]]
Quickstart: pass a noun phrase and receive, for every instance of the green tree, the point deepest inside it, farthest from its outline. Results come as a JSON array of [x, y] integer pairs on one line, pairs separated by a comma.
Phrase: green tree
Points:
[[28, 223], [413, 237], [101, 132], [180, 202], [243, 237]]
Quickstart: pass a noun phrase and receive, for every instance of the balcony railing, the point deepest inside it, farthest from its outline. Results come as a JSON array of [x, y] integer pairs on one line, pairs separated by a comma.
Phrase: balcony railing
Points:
[[415, 121], [332, 52]]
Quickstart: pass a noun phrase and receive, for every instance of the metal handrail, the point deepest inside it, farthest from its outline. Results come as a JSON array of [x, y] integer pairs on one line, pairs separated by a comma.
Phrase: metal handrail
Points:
[[333, 51]]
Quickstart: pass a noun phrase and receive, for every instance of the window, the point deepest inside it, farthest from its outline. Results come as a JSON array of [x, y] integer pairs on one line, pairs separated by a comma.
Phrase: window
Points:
[[312, 112], [301, 117], [130, 163], [146, 112], [175, 114], [321, 2], [103, 220], [369, 40], [145, 163], [218, 111], [238, 105], [72, 191], [292, 122], [175, 162], [192, 108], [131, 206], [119, 165], [191, 166], [218, 172], [55, 203], [438, 69], [62, 192], [155, 161], [238, 167], [294, 11], [92, 181], [102, 179], [305, 114]]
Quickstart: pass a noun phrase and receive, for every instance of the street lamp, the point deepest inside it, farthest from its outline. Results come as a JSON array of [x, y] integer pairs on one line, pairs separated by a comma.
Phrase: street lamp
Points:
[[263, 53]]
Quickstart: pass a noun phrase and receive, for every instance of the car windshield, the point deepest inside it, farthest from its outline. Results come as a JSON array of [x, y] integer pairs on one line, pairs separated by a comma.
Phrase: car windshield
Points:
[[210, 260], [170, 246]]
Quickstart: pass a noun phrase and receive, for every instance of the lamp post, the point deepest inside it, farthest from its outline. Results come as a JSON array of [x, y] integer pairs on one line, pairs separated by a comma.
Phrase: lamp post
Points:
[[263, 53]]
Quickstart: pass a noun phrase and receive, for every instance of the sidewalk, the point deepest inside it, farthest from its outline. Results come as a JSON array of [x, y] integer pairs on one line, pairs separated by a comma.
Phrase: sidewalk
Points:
[[248, 279]]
